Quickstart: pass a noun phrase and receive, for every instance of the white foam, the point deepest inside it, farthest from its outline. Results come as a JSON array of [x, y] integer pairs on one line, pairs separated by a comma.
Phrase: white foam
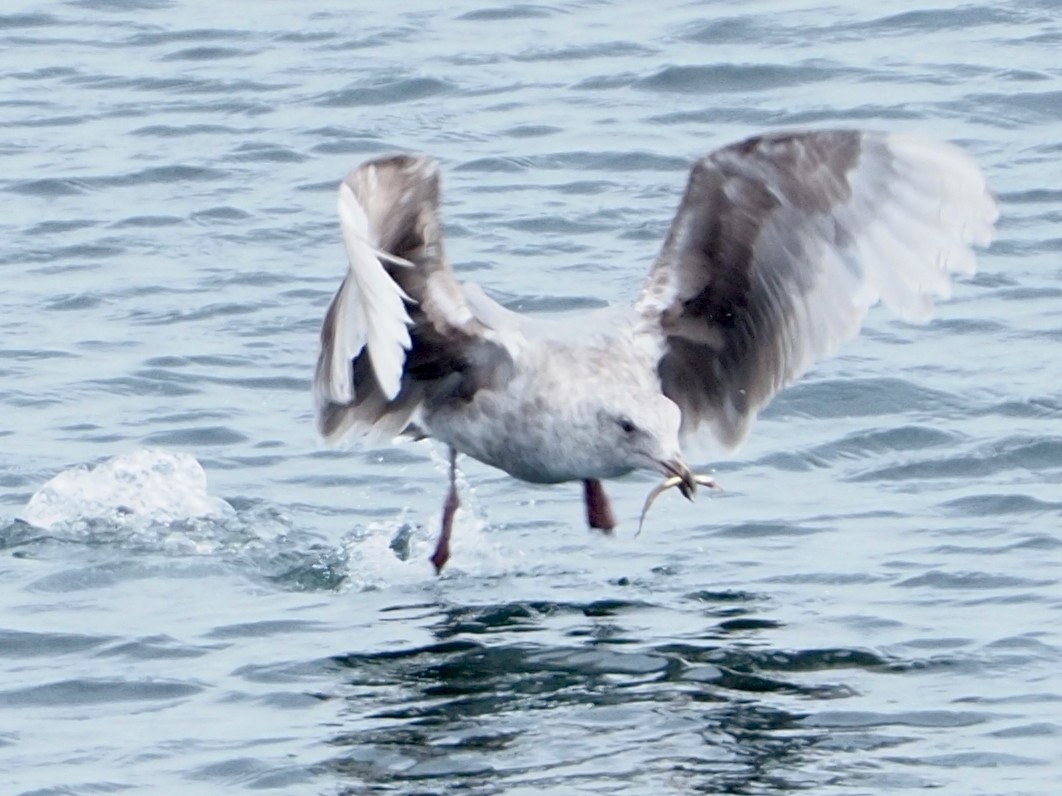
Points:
[[144, 486], [375, 563]]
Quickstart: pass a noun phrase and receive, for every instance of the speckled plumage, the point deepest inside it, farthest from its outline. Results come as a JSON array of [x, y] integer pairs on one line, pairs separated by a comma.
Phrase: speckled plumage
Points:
[[779, 247]]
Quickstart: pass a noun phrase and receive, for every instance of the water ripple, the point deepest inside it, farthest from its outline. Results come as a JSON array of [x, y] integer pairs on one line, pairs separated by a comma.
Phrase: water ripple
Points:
[[508, 12], [19, 644], [96, 691], [385, 93], [205, 54], [716, 78], [999, 504], [997, 457]]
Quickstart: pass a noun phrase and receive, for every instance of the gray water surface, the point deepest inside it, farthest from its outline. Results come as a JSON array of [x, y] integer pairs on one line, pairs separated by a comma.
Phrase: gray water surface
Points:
[[871, 606]]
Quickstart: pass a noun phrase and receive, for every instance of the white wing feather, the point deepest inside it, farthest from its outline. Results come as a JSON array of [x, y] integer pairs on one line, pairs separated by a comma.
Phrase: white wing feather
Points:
[[371, 309]]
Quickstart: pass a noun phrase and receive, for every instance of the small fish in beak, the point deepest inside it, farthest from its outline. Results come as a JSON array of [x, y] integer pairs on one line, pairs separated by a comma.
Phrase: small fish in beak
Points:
[[681, 476]]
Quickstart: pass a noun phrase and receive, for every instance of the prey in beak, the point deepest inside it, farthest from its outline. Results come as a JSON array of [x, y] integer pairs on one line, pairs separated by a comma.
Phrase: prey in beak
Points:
[[678, 474]]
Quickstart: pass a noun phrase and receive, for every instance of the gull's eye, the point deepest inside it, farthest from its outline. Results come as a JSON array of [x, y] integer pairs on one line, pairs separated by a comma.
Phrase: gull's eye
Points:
[[626, 424]]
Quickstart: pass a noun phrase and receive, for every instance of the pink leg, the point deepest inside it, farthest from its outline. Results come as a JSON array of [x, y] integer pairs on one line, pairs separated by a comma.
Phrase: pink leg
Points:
[[598, 508], [442, 546]]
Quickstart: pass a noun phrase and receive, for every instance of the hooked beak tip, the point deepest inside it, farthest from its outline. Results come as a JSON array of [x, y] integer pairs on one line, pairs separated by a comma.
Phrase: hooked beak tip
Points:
[[678, 468]]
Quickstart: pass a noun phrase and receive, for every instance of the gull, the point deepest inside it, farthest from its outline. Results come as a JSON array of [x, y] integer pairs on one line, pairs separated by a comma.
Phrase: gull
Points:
[[780, 245]]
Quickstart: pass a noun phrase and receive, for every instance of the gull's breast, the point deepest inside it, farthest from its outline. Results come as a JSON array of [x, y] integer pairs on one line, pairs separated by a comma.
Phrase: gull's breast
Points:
[[529, 437]]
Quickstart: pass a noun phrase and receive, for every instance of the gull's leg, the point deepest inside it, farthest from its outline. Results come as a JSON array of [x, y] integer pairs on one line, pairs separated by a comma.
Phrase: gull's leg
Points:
[[598, 509], [442, 546]]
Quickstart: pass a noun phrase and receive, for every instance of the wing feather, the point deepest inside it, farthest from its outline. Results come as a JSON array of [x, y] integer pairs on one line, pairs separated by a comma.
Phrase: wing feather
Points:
[[780, 246], [399, 333], [371, 310]]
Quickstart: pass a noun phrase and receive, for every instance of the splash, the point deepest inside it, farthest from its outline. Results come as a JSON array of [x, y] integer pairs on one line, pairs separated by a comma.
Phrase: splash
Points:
[[154, 505], [145, 486]]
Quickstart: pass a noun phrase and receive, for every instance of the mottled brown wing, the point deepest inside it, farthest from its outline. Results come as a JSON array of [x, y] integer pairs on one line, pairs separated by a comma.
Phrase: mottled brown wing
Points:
[[780, 245], [399, 331]]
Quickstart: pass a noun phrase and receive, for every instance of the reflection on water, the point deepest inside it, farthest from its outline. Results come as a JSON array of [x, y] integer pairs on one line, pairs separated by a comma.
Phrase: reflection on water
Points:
[[488, 704]]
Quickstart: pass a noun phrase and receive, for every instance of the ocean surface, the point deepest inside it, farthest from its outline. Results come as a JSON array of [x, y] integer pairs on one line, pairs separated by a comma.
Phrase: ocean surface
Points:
[[872, 605]]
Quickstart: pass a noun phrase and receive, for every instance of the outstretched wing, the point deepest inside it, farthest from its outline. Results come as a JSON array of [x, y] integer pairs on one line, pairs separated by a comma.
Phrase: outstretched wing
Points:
[[780, 246], [399, 331]]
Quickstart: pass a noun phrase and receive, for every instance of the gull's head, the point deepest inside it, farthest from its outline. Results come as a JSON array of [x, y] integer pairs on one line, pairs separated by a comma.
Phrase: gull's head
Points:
[[641, 432]]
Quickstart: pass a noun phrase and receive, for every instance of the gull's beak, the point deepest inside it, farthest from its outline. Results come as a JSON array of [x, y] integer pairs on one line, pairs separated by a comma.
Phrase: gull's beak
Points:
[[677, 468], [678, 474]]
